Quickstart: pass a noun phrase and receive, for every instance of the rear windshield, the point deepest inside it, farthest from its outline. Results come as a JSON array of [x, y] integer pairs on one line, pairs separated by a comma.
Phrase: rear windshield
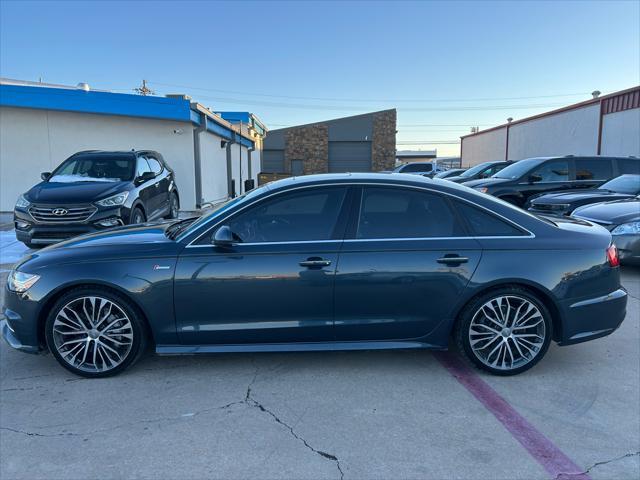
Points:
[[95, 168]]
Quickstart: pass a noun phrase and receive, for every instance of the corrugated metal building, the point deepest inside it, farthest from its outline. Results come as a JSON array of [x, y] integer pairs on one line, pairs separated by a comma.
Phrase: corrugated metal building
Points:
[[42, 125], [607, 125]]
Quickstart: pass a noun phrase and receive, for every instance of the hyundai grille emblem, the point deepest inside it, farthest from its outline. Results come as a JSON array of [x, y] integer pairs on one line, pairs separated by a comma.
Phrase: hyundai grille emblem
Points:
[[60, 211]]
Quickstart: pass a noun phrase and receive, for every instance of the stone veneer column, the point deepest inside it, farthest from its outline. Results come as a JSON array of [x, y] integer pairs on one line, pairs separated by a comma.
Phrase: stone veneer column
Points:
[[309, 144], [383, 144]]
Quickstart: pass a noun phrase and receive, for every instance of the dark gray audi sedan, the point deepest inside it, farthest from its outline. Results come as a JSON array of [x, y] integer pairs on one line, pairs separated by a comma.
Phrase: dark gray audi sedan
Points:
[[325, 262]]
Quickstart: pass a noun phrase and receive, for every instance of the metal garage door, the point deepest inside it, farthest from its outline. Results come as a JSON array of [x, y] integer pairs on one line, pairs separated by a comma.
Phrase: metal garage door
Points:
[[349, 156], [273, 161]]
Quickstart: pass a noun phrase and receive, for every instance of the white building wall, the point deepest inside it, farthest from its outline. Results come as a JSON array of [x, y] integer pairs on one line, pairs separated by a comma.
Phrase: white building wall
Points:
[[213, 165], [33, 141], [573, 132], [621, 133], [239, 170], [484, 147]]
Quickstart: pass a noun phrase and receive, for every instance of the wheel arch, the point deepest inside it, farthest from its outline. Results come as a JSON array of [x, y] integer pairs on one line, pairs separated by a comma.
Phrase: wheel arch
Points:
[[55, 295], [540, 292]]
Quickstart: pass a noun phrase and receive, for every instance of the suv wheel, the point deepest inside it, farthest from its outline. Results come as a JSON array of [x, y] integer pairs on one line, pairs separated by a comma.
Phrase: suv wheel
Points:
[[94, 333], [504, 332], [174, 206], [137, 216]]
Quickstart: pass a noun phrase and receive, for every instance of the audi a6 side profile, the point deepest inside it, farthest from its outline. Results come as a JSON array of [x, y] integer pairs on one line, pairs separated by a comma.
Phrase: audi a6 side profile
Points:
[[323, 262], [95, 190]]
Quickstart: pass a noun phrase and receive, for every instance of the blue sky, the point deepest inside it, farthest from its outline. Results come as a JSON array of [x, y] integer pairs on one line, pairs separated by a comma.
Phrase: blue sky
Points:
[[446, 66]]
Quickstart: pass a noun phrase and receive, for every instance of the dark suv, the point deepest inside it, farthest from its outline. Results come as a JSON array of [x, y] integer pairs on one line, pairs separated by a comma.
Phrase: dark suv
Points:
[[534, 176], [482, 170], [94, 190]]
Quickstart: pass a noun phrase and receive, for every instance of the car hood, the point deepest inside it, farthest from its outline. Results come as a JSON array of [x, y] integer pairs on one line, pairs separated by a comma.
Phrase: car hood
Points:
[[570, 197], [457, 179], [611, 213], [72, 193], [487, 182]]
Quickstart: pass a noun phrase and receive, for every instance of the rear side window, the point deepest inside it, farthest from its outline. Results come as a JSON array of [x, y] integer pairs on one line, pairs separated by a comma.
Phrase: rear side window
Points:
[[405, 213], [629, 165], [593, 169], [483, 224]]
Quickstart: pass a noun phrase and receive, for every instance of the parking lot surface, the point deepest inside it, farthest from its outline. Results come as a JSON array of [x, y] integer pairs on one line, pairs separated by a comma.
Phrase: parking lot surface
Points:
[[380, 414]]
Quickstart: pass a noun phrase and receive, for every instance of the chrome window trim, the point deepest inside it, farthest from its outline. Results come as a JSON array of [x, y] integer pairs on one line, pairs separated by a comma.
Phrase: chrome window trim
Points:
[[208, 227]]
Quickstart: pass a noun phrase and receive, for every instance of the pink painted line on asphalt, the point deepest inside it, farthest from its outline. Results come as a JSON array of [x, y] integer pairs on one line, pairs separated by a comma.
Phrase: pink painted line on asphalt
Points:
[[543, 450]]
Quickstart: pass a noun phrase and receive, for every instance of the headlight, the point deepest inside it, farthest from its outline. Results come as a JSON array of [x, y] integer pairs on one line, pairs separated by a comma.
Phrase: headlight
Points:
[[114, 200], [20, 282], [22, 202], [632, 228], [482, 189]]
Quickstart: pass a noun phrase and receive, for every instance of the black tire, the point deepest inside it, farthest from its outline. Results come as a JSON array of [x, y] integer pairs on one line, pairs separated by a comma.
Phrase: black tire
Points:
[[174, 206], [462, 332], [32, 246], [137, 216], [138, 331]]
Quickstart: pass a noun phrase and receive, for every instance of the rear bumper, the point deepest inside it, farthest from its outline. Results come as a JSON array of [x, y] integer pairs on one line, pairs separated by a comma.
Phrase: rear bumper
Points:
[[592, 318]]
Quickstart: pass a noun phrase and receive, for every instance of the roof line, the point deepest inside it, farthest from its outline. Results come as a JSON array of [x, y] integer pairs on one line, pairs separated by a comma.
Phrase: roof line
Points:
[[333, 120], [574, 106]]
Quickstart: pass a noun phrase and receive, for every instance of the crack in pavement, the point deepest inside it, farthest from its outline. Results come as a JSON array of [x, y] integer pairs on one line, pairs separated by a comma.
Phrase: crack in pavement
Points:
[[562, 476], [252, 402]]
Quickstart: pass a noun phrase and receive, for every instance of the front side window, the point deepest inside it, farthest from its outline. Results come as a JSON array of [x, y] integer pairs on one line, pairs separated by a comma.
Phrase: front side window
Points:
[[297, 216], [405, 213], [142, 167], [155, 166], [483, 224], [553, 171], [593, 169]]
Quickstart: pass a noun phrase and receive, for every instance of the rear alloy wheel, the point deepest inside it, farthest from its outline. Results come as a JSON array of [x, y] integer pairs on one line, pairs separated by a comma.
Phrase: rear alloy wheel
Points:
[[174, 206], [505, 332], [94, 333], [137, 216]]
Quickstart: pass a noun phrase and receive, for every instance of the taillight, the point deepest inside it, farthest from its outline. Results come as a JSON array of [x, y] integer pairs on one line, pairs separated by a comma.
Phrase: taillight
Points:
[[612, 256]]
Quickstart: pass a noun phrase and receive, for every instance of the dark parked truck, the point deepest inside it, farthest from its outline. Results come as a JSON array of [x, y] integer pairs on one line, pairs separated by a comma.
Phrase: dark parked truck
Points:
[[323, 262], [96, 190], [531, 177]]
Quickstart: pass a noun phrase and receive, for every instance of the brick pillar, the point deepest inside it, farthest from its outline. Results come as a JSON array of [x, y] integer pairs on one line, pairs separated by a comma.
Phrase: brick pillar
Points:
[[383, 144]]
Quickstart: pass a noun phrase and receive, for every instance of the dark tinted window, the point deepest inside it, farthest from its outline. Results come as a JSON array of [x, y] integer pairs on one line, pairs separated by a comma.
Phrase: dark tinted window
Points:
[[299, 216], [593, 169], [629, 165], [142, 166], [552, 171], [417, 167], [154, 165], [405, 213], [483, 224]]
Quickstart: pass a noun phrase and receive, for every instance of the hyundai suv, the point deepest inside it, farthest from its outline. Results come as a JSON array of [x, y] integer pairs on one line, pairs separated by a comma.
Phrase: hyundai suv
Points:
[[95, 190]]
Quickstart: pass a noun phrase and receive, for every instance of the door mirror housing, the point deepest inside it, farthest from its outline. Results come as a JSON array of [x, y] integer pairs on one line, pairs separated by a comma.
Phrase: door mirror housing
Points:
[[224, 237], [146, 176], [533, 178], [45, 175]]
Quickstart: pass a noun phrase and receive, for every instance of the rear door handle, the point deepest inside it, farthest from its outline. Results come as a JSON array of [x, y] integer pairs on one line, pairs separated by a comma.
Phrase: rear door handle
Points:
[[453, 259], [315, 262]]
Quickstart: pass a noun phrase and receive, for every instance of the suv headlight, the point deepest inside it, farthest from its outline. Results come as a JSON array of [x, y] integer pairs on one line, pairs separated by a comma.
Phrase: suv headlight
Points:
[[113, 200], [20, 282], [632, 228], [22, 202]]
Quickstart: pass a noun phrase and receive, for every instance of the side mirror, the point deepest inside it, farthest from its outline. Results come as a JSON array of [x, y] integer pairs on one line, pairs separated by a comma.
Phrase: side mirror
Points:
[[45, 175], [533, 178], [224, 237], [145, 177]]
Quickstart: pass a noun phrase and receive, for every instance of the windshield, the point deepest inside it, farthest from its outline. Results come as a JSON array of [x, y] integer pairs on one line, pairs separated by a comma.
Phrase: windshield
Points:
[[623, 184], [95, 168], [222, 207], [518, 169], [477, 169]]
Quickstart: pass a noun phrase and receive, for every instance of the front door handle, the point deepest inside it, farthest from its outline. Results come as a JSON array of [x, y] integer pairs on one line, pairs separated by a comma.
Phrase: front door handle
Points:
[[315, 262], [453, 260]]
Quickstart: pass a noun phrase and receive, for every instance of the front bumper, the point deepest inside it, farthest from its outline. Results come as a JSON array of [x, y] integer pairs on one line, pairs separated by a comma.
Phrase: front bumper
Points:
[[591, 318], [38, 233], [20, 325]]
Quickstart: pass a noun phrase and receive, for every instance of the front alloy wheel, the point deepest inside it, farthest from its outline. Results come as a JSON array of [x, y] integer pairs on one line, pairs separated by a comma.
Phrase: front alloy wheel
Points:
[[94, 333], [506, 332]]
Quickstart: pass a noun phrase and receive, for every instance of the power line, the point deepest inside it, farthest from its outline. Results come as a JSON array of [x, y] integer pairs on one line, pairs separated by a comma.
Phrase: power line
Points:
[[394, 100]]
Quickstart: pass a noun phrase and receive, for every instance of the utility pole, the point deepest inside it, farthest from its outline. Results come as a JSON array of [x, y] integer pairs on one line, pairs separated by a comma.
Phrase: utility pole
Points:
[[143, 90]]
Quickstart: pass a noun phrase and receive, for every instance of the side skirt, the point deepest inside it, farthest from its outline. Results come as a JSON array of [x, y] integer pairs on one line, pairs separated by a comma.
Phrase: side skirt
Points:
[[292, 347]]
